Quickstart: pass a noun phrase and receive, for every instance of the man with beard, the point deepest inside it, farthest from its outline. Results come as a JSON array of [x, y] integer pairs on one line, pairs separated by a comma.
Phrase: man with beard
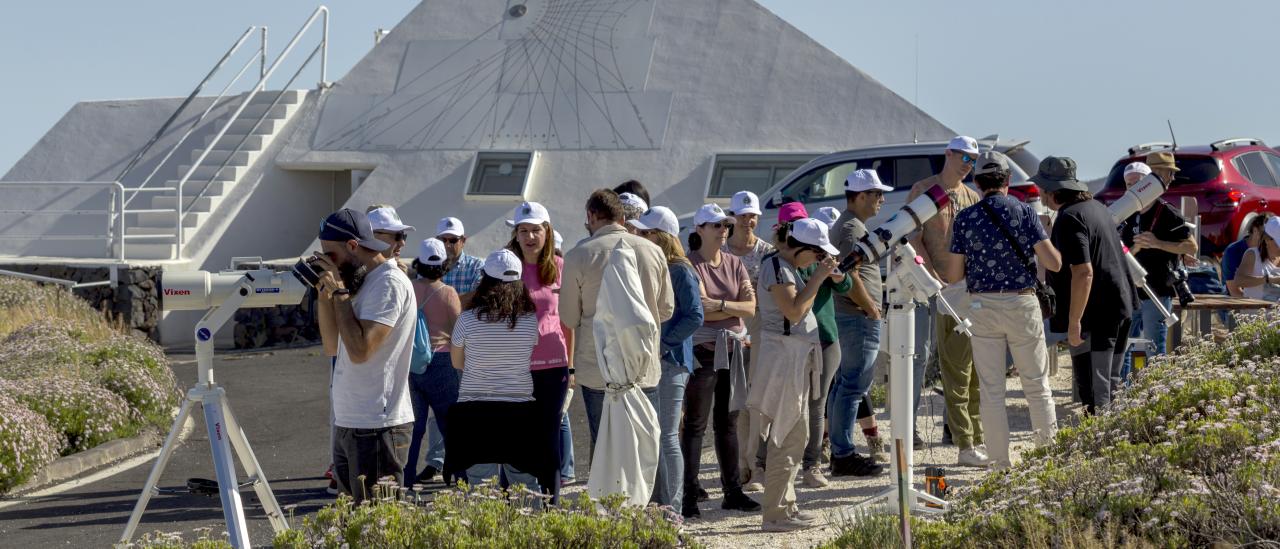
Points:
[[369, 304]]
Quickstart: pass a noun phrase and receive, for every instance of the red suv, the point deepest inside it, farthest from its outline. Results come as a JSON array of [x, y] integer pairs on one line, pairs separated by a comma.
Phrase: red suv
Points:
[[1232, 180]]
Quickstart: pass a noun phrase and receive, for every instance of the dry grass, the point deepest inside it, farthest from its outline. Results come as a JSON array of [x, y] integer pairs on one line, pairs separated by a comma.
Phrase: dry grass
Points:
[[23, 303]]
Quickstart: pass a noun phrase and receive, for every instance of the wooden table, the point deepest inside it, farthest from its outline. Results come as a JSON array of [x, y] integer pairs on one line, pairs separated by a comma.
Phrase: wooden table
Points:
[[1207, 305]]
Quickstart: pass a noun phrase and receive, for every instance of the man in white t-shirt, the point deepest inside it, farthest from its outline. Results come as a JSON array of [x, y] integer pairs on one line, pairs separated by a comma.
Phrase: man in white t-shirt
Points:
[[373, 307]]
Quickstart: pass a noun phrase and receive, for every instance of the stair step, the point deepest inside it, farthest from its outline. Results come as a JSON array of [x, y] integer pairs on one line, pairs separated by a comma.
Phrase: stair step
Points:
[[166, 220], [150, 231], [139, 250], [205, 173], [229, 141], [193, 188], [290, 97], [256, 110], [241, 126], [215, 157], [189, 203]]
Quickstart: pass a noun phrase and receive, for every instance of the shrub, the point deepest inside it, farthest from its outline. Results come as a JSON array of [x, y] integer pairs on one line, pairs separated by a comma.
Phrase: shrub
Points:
[[25, 302], [1187, 455], [136, 369], [41, 348], [481, 517], [87, 415], [27, 442]]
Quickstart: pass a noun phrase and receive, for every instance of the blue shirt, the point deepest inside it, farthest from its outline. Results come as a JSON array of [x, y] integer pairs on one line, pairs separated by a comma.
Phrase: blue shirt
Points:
[[991, 264], [464, 276], [1231, 258], [677, 331]]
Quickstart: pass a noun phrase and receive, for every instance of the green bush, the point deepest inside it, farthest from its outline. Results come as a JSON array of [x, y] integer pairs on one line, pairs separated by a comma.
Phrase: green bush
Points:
[[136, 369], [87, 415], [1187, 456], [27, 442], [44, 347]]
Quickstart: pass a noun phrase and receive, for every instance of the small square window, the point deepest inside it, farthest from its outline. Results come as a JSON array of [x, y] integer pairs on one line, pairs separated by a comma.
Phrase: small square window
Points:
[[500, 174], [731, 173]]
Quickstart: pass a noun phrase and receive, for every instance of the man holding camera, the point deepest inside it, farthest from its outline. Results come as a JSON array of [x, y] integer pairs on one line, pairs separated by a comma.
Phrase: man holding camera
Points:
[[1157, 237], [369, 303]]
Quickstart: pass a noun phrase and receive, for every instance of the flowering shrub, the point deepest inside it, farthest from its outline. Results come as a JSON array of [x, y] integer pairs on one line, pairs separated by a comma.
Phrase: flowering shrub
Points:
[[27, 442], [44, 347], [136, 369], [86, 414], [1188, 455]]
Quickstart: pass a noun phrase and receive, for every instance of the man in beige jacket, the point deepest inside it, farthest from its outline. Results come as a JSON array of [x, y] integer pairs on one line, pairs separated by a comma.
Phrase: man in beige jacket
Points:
[[580, 285]]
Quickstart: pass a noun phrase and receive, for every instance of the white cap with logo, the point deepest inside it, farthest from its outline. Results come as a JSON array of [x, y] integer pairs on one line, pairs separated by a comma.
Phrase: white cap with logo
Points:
[[709, 213], [964, 144], [386, 219], [814, 233], [529, 212], [658, 218], [865, 180], [503, 265], [431, 252], [1137, 167], [634, 201], [745, 202], [827, 215], [450, 226]]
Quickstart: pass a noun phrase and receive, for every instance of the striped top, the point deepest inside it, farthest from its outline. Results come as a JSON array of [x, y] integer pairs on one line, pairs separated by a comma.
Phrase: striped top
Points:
[[497, 358]]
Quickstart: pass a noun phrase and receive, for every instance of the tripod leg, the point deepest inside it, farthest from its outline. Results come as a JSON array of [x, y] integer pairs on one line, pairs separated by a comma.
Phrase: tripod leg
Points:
[[166, 451], [228, 486], [254, 471]]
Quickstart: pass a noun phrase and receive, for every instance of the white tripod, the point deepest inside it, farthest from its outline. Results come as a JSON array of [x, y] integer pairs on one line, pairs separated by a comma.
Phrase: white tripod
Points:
[[908, 283], [224, 433]]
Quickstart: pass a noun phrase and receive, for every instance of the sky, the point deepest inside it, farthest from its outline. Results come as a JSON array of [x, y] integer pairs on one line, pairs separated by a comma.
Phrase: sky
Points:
[[1085, 79]]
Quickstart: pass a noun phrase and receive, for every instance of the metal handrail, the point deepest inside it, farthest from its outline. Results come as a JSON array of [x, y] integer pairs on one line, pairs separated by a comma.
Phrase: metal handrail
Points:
[[216, 67], [323, 48], [114, 213]]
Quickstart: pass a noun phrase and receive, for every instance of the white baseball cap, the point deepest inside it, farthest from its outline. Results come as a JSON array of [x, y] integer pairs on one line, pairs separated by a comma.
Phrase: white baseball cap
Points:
[[529, 212], [1137, 167], [431, 252], [963, 143], [828, 215], [660, 218], [386, 219], [865, 180], [450, 225], [814, 233], [634, 201], [503, 265], [709, 213], [559, 239], [745, 202]]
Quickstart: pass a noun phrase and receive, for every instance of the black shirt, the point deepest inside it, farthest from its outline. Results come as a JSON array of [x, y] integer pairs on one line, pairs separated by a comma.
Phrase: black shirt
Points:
[[1166, 224], [1084, 232]]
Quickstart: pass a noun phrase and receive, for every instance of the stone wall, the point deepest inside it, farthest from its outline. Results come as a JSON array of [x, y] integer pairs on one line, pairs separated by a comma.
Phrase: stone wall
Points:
[[133, 302]]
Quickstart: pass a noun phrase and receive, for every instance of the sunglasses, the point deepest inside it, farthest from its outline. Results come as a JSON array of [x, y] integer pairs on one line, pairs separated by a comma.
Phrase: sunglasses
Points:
[[450, 239], [647, 232], [400, 236], [717, 225], [967, 159]]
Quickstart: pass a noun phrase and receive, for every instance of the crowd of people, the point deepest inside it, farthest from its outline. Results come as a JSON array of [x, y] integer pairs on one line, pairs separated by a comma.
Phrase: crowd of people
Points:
[[756, 333]]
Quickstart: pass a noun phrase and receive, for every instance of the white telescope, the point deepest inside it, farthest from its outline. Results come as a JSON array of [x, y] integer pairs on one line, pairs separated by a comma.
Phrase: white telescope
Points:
[[199, 290], [878, 242], [1141, 195]]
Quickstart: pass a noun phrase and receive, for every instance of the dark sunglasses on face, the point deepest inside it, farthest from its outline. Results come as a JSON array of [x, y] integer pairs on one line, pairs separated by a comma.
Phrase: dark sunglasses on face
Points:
[[969, 159], [400, 236], [450, 239], [716, 225]]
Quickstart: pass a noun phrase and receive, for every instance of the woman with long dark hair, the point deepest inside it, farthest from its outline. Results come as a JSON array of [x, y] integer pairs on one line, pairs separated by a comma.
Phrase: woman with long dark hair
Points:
[[660, 227], [436, 388], [495, 427], [532, 239]]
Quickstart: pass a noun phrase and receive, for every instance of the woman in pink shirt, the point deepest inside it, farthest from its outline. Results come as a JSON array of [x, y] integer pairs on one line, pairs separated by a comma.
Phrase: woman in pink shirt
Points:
[[532, 240]]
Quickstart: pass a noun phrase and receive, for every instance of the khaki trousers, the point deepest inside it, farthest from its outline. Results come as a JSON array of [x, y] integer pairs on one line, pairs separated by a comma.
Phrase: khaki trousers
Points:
[[781, 467], [959, 380], [1010, 322]]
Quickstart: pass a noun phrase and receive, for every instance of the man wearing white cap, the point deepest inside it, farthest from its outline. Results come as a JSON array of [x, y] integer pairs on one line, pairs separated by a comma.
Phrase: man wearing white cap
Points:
[[933, 245], [464, 270], [858, 324], [632, 208], [1135, 172], [388, 228]]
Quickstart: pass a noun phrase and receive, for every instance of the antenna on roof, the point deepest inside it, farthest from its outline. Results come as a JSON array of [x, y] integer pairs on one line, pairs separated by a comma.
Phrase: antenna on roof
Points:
[[1172, 138], [915, 100]]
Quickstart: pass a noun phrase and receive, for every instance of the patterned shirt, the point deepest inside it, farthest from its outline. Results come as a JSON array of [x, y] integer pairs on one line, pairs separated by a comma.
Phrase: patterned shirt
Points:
[[991, 264], [751, 260], [464, 276]]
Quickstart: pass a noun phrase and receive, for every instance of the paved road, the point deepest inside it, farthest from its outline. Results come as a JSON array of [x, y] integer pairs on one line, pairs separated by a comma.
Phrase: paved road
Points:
[[281, 401]]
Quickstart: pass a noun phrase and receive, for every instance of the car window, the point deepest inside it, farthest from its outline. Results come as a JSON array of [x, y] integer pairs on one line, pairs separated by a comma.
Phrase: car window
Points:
[[1274, 160], [1259, 172], [822, 183], [908, 170], [1193, 170]]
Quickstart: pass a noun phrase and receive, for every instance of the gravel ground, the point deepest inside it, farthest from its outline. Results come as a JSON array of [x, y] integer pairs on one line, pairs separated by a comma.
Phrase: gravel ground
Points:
[[731, 529]]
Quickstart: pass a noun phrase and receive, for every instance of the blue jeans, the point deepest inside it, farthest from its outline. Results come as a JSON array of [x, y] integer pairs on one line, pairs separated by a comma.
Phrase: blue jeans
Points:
[[668, 487], [435, 453], [567, 470], [436, 390], [859, 345], [1149, 325], [594, 399], [506, 474]]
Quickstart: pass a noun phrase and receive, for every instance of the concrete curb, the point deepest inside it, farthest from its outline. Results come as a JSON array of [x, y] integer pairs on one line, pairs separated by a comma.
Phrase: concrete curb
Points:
[[75, 465]]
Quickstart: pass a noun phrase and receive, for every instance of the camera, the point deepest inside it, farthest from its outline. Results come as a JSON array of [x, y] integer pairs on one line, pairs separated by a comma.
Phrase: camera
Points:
[[1178, 280], [306, 272]]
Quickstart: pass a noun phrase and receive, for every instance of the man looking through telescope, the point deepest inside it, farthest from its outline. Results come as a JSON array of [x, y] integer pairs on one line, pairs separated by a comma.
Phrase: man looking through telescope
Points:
[[370, 305]]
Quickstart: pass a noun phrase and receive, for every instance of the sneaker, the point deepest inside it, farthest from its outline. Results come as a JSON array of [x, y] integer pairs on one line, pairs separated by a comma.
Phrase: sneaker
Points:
[[428, 474], [854, 465], [973, 458], [328, 473], [689, 508], [813, 478], [806, 516], [702, 494], [917, 443], [789, 524], [568, 481], [739, 502], [876, 447], [756, 482], [333, 487]]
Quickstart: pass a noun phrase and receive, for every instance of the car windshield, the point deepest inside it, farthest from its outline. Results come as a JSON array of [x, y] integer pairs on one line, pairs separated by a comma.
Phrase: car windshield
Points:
[[827, 181], [1192, 170]]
